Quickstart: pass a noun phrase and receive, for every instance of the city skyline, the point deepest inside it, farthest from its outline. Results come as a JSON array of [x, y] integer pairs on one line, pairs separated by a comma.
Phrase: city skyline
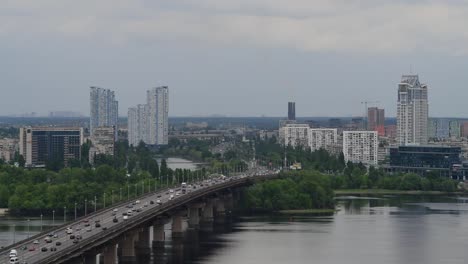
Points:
[[305, 51]]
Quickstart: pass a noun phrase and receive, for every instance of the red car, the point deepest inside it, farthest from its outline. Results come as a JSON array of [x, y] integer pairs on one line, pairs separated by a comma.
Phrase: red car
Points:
[[31, 249]]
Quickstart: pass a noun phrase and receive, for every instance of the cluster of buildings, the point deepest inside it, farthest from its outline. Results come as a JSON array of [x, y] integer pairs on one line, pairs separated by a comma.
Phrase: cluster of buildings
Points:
[[149, 123], [415, 144]]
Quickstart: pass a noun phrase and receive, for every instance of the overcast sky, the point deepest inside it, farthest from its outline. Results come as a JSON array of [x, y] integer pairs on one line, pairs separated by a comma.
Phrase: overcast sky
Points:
[[233, 57]]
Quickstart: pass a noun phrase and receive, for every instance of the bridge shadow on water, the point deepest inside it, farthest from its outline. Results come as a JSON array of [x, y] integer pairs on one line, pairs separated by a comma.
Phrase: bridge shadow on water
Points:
[[195, 246]]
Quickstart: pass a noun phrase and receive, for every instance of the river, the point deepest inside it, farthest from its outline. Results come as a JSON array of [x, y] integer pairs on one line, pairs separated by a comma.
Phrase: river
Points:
[[365, 230]]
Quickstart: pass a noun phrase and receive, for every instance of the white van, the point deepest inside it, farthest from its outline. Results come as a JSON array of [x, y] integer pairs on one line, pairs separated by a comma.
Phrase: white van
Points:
[[14, 260], [13, 253]]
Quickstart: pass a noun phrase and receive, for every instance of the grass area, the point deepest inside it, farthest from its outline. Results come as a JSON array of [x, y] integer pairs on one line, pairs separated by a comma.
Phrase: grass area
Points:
[[383, 191], [307, 211]]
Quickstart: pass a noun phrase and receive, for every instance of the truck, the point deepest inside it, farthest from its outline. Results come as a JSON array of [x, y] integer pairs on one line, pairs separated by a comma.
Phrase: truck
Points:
[[184, 187]]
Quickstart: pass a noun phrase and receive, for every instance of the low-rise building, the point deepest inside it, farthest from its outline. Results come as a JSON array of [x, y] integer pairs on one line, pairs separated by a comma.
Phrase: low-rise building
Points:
[[8, 148], [102, 142]]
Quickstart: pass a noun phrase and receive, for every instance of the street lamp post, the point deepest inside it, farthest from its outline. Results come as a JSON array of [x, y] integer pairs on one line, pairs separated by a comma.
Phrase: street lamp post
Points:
[[95, 203], [112, 196], [53, 217], [75, 211], [64, 214], [28, 228], [128, 192], [14, 234], [104, 200], [85, 207], [120, 194], [41, 222], [136, 189]]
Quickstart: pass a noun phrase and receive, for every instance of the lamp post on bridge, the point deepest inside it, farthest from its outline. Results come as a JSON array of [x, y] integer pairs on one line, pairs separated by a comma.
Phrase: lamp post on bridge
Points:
[[112, 196], [95, 203], [128, 192], [104, 201], [64, 214], [53, 217], [75, 211], [85, 207], [41, 222], [120, 194]]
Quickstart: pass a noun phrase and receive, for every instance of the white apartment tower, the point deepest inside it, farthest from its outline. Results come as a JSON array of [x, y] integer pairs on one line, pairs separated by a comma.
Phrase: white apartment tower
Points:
[[138, 124], [412, 111], [325, 138], [104, 109], [295, 135], [360, 146], [158, 115], [150, 122]]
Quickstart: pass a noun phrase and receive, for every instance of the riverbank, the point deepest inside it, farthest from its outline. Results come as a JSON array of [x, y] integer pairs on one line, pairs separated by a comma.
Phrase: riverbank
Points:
[[389, 192], [307, 211]]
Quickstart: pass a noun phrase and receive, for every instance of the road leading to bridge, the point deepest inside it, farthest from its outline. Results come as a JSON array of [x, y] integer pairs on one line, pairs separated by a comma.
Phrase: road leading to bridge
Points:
[[30, 250]]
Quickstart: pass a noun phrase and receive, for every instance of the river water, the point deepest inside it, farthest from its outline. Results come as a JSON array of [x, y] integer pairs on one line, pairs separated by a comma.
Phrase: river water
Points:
[[365, 230]]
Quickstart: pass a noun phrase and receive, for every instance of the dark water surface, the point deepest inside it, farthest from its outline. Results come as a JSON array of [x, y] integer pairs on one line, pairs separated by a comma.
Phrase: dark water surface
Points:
[[386, 229]]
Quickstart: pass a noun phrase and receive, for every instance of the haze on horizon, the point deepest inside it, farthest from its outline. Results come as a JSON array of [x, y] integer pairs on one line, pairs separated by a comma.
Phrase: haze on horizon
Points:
[[235, 58]]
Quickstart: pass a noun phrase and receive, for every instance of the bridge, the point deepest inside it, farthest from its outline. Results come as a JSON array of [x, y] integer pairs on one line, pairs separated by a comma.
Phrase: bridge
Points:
[[203, 204]]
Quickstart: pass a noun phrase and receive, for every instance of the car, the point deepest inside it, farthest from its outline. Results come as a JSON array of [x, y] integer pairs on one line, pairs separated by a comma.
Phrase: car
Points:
[[171, 191], [32, 249], [158, 201], [115, 210], [53, 249], [151, 202], [36, 242], [113, 213], [129, 212], [104, 228], [125, 217], [129, 206], [78, 228], [97, 225], [86, 221], [138, 210], [87, 224], [171, 197], [115, 220], [72, 236], [43, 249], [78, 236], [88, 229], [159, 196], [58, 243], [145, 204], [48, 239], [177, 193], [137, 201], [14, 260], [75, 241], [124, 213], [13, 253], [24, 248], [55, 235], [69, 231]]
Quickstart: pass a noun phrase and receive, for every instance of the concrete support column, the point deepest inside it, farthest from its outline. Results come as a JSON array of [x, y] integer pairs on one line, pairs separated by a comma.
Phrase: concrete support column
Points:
[[89, 258], [206, 222], [177, 226], [144, 237], [220, 211], [128, 247], [110, 254], [158, 234], [229, 202], [194, 215]]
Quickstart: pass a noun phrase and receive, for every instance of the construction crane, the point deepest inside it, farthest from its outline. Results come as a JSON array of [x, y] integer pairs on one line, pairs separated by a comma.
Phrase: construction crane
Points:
[[364, 117]]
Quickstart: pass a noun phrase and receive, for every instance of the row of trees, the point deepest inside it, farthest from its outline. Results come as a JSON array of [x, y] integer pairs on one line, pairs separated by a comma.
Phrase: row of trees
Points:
[[298, 190]]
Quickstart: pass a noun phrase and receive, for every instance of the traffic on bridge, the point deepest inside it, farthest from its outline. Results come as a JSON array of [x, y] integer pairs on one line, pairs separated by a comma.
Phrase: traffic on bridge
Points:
[[71, 242]]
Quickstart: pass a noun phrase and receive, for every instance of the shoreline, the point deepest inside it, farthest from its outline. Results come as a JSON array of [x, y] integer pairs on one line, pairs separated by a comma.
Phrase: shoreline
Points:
[[391, 192]]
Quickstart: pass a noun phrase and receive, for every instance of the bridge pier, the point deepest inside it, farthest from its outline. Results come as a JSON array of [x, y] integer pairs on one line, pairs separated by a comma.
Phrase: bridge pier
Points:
[[110, 254], [128, 247], [158, 234], [178, 226], [143, 244], [220, 211], [194, 215], [206, 222]]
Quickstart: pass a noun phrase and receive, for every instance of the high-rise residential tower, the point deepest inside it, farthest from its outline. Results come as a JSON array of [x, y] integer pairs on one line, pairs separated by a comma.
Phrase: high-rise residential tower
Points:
[[158, 115], [138, 124], [376, 120], [412, 111], [104, 109], [291, 111]]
